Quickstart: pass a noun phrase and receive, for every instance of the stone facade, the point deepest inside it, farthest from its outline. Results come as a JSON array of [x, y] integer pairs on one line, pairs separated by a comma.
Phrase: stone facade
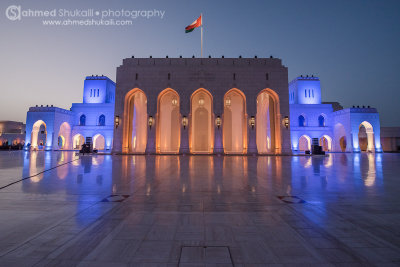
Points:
[[217, 76]]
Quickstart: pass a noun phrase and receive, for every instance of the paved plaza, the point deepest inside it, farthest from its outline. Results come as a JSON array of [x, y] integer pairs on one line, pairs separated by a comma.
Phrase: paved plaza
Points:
[[59, 209]]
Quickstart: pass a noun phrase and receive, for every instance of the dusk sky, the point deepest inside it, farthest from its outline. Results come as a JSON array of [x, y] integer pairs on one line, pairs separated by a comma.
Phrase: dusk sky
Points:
[[352, 46]]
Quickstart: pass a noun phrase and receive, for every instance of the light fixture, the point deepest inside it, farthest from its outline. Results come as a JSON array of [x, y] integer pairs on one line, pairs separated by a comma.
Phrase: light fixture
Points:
[[228, 102], [201, 101], [286, 122], [174, 101], [116, 121], [151, 121], [218, 122], [184, 122], [252, 122]]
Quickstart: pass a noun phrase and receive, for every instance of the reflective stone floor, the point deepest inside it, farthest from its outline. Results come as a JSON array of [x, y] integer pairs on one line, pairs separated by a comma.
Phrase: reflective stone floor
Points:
[[57, 209]]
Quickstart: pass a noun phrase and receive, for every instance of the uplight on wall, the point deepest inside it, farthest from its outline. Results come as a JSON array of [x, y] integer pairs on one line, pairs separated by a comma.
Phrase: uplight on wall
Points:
[[218, 122], [184, 122], [252, 122], [116, 120], [151, 121]]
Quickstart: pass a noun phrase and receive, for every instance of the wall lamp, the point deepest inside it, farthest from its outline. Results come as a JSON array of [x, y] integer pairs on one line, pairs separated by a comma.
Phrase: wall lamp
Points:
[[184, 122], [218, 122], [252, 122], [151, 121], [116, 120], [286, 122]]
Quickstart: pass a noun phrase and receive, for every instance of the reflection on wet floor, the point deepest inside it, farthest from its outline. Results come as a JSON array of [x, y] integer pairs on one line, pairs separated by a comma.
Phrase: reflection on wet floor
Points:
[[266, 209], [217, 172]]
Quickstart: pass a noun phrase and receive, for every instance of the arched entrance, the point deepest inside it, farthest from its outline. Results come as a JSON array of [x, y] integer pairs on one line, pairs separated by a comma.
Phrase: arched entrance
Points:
[[234, 122], [135, 122], [78, 141], [201, 122], [343, 143], [168, 118], [340, 143], [99, 142], [64, 136], [366, 137], [267, 122], [61, 142], [304, 143], [326, 142], [38, 134]]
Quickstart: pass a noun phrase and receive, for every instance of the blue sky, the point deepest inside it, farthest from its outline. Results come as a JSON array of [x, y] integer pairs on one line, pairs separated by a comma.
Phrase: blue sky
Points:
[[353, 46]]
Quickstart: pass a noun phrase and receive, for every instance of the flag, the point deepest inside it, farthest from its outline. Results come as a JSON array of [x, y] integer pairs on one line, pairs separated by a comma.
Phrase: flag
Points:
[[197, 23]]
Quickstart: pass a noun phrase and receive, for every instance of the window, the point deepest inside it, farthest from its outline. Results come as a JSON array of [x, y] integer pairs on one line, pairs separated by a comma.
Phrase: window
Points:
[[82, 120], [302, 121], [102, 120], [313, 93], [98, 91], [91, 92], [321, 121], [305, 93], [309, 95]]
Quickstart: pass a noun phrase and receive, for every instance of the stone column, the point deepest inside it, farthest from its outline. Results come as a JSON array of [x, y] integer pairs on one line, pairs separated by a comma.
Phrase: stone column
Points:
[[151, 136], [218, 146], [251, 133], [184, 148]]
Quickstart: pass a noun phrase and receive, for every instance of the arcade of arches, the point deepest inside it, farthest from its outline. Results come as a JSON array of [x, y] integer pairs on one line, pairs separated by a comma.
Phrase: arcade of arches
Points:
[[201, 123]]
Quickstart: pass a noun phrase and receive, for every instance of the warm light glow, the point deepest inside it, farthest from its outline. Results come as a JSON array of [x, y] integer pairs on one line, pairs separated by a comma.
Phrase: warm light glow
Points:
[[201, 134], [234, 123], [304, 143], [135, 122], [35, 134], [98, 142], [168, 126], [268, 123], [116, 121]]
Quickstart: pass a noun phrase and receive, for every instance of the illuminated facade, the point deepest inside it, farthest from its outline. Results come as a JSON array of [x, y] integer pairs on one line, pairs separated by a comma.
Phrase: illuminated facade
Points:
[[203, 106], [53, 128], [332, 127]]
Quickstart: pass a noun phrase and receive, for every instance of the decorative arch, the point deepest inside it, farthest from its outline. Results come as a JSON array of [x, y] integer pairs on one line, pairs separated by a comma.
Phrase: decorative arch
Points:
[[302, 121], [168, 117], [99, 142], [268, 130], [36, 133], [234, 120], [64, 135], [135, 122], [340, 142], [201, 130], [77, 141], [326, 142], [321, 120], [366, 138], [304, 143], [102, 120], [82, 120]]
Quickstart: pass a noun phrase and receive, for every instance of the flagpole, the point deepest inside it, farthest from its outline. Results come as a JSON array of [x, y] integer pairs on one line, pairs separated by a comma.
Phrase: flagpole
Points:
[[201, 16]]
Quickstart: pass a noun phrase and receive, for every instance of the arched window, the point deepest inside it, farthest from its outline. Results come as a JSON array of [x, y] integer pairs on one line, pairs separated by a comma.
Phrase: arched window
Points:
[[305, 93], [82, 120], [102, 120], [321, 121], [302, 121]]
